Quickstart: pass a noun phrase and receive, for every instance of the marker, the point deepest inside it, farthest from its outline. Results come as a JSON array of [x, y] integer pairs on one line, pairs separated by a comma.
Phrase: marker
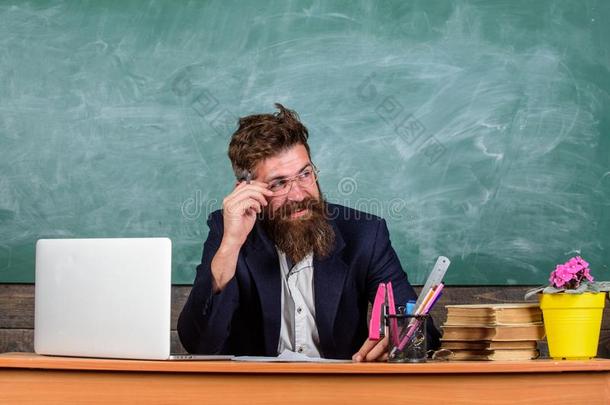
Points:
[[410, 307]]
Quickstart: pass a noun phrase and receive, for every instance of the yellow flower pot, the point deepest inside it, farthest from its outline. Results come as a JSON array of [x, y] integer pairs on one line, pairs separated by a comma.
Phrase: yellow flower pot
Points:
[[572, 323]]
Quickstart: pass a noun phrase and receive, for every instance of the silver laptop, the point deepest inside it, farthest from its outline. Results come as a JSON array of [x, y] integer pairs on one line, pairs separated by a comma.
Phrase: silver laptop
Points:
[[108, 298]]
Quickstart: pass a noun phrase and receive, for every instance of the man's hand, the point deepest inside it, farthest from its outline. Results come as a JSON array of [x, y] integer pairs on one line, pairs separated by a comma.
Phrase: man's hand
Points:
[[239, 210], [372, 350]]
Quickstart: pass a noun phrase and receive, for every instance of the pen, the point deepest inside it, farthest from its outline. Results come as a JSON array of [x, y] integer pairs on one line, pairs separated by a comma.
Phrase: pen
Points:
[[437, 293], [422, 304], [246, 176]]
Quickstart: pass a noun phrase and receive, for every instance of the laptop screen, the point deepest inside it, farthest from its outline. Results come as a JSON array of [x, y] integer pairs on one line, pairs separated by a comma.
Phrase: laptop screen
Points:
[[103, 297]]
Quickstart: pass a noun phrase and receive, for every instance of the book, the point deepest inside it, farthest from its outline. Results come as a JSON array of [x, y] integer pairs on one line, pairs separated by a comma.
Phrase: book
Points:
[[509, 313], [508, 333], [494, 314], [524, 354], [488, 344]]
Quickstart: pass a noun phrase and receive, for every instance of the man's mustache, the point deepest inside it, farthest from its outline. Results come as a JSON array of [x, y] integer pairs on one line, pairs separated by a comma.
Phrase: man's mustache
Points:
[[291, 207]]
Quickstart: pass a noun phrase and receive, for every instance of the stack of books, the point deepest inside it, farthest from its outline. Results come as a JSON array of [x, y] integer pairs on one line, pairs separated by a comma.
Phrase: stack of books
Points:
[[493, 331]]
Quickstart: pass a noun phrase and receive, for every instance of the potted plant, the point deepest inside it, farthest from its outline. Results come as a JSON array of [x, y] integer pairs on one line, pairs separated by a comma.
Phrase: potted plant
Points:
[[572, 307]]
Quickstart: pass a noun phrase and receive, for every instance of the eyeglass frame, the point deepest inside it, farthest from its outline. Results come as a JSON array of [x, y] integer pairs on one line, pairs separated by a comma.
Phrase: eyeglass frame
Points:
[[292, 179]]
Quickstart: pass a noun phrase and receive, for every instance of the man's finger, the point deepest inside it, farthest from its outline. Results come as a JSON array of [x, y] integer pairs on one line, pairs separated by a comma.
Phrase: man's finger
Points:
[[367, 347], [238, 199], [251, 189], [252, 204], [256, 184], [376, 352], [242, 207]]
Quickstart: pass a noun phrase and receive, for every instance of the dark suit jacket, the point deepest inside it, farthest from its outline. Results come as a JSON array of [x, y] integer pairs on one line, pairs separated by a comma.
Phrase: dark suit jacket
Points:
[[244, 318]]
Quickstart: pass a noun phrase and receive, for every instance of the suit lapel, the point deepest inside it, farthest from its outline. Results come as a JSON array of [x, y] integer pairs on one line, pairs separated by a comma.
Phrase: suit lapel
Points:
[[329, 280], [263, 264]]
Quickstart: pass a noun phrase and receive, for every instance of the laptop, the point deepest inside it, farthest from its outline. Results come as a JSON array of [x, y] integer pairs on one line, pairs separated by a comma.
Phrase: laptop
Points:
[[107, 298]]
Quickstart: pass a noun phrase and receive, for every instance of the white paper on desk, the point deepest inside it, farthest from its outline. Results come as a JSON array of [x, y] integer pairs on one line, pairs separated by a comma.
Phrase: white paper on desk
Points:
[[289, 357]]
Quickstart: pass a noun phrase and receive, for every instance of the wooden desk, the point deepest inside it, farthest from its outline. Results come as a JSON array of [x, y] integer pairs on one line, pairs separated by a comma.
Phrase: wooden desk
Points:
[[29, 378]]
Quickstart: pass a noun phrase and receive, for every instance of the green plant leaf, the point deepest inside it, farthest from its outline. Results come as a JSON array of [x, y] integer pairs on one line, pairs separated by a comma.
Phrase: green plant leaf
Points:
[[533, 291], [603, 285], [552, 290], [593, 287]]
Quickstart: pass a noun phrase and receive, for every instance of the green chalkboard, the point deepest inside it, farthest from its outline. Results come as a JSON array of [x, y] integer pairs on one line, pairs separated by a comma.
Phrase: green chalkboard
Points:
[[479, 129]]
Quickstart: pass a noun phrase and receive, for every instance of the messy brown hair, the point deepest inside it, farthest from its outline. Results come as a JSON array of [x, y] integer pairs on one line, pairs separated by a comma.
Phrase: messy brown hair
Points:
[[261, 136]]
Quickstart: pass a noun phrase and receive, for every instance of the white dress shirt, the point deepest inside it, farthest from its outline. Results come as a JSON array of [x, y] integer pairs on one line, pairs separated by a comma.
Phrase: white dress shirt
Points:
[[298, 331]]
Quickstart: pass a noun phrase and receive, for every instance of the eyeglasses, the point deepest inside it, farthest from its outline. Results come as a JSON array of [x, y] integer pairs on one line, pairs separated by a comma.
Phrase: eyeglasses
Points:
[[304, 179]]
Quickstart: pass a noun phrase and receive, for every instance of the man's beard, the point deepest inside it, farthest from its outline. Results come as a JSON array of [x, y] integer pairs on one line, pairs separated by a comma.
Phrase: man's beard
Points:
[[296, 237]]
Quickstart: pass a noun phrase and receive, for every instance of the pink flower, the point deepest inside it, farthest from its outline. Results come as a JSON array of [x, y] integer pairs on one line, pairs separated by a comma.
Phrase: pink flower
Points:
[[556, 281], [582, 262], [587, 275], [564, 272], [571, 273], [573, 266], [560, 276]]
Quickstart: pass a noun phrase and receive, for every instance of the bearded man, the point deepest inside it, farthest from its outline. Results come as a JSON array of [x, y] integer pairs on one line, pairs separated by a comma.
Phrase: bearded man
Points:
[[282, 269]]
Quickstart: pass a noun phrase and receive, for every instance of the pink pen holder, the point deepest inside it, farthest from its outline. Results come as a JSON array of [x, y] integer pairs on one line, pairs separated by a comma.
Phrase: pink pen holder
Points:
[[407, 338]]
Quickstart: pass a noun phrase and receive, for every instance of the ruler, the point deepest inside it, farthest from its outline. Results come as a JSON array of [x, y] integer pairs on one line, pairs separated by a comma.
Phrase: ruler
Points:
[[434, 278]]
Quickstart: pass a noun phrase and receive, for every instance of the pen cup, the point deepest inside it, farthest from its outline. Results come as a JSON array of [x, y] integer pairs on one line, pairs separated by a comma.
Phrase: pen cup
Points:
[[407, 338]]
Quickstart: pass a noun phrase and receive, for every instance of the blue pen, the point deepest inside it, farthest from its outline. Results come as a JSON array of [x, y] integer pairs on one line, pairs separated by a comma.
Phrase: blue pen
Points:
[[410, 307]]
